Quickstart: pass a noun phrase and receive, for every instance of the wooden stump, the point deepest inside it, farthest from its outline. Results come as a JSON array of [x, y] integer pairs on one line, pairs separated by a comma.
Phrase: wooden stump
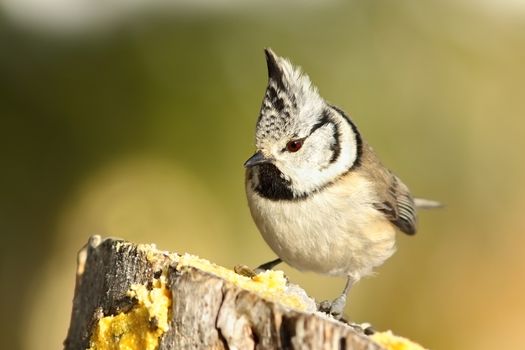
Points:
[[147, 299]]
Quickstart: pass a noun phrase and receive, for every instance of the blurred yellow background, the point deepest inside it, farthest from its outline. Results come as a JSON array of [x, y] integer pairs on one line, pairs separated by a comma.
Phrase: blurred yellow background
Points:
[[134, 121]]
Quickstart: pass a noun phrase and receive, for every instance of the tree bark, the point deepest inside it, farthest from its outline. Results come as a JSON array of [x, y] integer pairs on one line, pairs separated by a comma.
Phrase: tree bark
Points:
[[206, 312]]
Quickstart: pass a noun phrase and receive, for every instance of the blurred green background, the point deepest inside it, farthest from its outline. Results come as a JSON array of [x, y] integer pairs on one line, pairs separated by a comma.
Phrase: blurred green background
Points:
[[136, 124]]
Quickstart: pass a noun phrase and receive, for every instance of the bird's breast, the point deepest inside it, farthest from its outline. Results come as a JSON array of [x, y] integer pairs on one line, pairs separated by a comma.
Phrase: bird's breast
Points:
[[334, 232]]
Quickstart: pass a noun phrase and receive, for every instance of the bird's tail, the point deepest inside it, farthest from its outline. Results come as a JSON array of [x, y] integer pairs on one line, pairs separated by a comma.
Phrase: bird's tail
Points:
[[422, 203]]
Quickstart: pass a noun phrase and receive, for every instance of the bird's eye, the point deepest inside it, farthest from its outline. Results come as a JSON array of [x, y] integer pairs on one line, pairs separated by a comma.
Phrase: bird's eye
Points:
[[294, 145]]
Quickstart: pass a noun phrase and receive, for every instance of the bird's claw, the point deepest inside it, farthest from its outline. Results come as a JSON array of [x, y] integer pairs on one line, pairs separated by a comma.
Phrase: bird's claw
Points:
[[335, 307]]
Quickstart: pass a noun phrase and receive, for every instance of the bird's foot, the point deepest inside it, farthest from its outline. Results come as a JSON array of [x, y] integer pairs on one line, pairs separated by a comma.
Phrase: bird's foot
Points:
[[365, 328], [328, 307], [335, 307]]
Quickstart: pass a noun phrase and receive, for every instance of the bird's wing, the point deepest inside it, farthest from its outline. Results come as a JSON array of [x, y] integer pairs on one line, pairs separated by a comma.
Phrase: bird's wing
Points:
[[393, 197], [398, 206]]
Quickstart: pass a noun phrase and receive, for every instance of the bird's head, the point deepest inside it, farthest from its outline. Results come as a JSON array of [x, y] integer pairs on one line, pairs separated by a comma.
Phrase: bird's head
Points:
[[303, 143]]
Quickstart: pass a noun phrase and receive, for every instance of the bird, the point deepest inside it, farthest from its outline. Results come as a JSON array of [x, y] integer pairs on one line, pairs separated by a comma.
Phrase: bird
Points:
[[317, 192]]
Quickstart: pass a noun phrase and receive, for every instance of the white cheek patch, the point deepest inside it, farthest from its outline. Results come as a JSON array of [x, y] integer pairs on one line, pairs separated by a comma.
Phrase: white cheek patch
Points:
[[348, 142], [323, 143], [311, 167]]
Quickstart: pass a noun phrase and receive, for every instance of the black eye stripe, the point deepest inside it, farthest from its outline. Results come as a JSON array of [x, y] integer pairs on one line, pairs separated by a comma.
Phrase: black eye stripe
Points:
[[358, 139], [336, 147], [325, 119]]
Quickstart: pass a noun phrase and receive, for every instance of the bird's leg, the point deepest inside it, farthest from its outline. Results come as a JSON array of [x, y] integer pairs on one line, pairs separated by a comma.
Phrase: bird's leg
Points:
[[248, 272], [336, 307], [269, 265]]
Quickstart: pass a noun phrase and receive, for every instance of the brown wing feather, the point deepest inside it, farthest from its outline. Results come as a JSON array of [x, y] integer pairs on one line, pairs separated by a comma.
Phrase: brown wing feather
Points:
[[395, 200], [402, 211]]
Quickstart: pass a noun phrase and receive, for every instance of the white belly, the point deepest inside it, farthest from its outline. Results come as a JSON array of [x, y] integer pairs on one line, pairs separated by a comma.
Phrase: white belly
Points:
[[326, 233]]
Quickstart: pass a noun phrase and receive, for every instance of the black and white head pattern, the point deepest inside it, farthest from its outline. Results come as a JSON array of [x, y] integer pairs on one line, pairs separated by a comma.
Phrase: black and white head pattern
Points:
[[309, 143]]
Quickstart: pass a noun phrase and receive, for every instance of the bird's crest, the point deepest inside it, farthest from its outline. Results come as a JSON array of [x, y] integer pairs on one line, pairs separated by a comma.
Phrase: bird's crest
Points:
[[290, 100]]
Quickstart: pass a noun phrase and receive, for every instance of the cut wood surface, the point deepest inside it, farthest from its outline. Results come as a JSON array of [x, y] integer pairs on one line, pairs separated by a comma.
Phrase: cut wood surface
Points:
[[130, 296]]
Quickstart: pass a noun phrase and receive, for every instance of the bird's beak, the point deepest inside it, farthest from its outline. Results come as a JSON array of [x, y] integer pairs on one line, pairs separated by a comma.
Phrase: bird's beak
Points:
[[256, 159]]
